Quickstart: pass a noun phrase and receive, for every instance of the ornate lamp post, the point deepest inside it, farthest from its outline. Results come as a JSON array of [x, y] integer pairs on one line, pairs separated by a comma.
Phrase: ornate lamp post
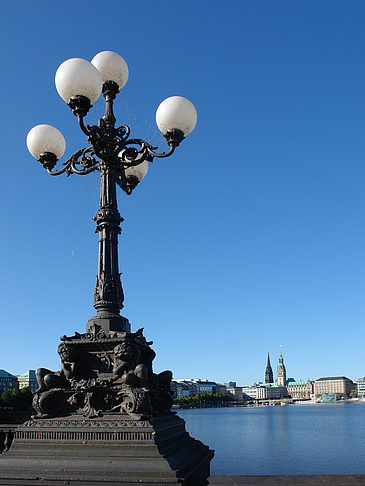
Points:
[[120, 160], [106, 413]]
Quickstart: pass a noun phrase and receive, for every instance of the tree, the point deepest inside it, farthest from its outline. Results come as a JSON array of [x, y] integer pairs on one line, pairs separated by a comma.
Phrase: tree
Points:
[[203, 399]]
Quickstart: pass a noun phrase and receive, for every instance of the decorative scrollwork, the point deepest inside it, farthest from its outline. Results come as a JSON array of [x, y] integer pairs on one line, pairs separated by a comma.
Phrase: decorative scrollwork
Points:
[[114, 150], [131, 156], [82, 158]]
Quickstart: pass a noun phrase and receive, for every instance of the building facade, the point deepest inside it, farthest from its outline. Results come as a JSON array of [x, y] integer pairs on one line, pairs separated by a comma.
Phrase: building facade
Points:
[[249, 392], [28, 380], [219, 388], [300, 389], [205, 386], [360, 388], [183, 388], [261, 391], [235, 392], [8, 381], [334, 384]]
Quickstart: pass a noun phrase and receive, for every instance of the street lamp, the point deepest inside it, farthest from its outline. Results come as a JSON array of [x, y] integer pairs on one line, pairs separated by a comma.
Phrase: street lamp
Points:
[[106, 415], [123, 368], [120, 160]]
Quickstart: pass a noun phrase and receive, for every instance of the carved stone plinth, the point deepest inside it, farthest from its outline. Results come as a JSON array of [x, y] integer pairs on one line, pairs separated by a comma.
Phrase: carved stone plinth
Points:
[[104, 419], [111, 450], [104, 372]]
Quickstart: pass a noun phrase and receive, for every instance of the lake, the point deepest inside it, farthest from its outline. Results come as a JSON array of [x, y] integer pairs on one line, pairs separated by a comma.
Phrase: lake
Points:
[[294, 439]]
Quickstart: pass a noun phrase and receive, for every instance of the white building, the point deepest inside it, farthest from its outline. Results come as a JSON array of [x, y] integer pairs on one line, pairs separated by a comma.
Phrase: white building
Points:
[[261, 391], [360, 387]]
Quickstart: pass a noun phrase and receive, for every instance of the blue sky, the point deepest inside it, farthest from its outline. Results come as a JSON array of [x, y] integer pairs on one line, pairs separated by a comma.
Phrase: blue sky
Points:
[[252, 235]]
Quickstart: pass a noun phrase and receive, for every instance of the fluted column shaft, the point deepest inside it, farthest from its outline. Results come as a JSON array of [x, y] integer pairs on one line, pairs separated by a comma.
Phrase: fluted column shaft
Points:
[[108, 295]]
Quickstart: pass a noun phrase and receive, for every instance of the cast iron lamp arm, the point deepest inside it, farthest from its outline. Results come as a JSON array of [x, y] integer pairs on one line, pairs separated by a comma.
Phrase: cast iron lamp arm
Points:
[[145, 152], [87, 162]]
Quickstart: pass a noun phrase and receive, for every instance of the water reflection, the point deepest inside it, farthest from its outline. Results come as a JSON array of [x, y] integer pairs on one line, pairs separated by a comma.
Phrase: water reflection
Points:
[[295, 439]]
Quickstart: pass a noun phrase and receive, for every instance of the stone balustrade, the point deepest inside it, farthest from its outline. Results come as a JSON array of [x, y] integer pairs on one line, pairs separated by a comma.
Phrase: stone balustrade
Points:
[[6, 436]]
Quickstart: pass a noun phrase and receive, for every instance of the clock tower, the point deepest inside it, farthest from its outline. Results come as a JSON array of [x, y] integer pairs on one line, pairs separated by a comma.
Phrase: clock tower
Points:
[[281, 371]]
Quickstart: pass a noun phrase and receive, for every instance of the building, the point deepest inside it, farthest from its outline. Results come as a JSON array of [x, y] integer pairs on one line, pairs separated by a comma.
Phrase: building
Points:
[[334, 384], [300, 389], [261, 391], [205, 386], [275, 391], [269, 377], [250, 392], [235, 391], [8, 381], [219, 388], [28, 380], [230, 384], [360, 387], [281, 371], [183, 388]]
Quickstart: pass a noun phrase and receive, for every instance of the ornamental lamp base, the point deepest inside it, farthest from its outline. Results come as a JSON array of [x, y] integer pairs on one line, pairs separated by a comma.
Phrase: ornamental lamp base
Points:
[[112, 450], [109, 323]]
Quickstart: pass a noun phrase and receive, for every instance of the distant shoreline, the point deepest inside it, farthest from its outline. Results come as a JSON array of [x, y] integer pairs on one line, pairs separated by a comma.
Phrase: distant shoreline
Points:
[[271, 403]]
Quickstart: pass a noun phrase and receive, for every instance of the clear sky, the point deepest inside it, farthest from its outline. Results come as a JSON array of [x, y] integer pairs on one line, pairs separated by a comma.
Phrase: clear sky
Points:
[[252, 235]]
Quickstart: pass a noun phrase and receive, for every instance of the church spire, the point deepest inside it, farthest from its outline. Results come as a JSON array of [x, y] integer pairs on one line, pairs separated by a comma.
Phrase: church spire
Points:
[[269, 378]]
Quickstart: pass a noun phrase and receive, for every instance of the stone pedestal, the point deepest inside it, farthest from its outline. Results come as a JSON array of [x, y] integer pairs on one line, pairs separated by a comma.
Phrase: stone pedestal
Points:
[[104, 419], [111, 450]]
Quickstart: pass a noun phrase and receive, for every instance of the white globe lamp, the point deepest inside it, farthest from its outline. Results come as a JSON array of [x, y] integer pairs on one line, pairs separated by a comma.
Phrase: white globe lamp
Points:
[[112, 67], [78, 77], [45, 139]]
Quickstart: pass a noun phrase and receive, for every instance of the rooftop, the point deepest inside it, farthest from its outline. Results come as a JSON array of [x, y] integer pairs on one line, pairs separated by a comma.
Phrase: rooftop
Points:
[[28, 374], [325, 378], [5, 374]]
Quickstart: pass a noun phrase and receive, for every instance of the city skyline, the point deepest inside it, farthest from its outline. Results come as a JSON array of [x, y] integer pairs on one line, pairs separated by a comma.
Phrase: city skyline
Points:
[[262, 378], [252, 235]]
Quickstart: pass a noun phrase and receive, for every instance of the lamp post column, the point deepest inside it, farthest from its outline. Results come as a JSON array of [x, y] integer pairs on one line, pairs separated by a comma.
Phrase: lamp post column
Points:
[[108, 294]]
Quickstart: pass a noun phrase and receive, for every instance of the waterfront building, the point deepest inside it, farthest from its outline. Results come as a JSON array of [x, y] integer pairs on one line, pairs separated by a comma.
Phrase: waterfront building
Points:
[[183, 388], [205, 386], [275, 391], [179, 390], [300, 389], [269, 377], [8, 381], [334, 384], [219, 388], [256, 392], [235, 391], [281, 371], [360, 387], [28, 380], [261, 391]]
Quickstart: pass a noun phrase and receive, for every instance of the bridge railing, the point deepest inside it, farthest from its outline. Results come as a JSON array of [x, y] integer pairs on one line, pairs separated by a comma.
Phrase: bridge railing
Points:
[[6, 436]]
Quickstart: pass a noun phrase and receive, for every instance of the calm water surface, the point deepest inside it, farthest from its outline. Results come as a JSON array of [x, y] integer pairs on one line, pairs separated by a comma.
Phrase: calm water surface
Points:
[[295, 439]]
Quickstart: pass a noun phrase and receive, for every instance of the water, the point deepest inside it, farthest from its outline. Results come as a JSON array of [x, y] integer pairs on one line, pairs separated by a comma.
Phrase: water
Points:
[[295, 439]]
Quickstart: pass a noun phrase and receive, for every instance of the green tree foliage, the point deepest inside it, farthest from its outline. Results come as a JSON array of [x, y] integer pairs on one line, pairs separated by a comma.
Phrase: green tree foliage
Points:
[[203, 399], [15, 406], [19, 400]]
